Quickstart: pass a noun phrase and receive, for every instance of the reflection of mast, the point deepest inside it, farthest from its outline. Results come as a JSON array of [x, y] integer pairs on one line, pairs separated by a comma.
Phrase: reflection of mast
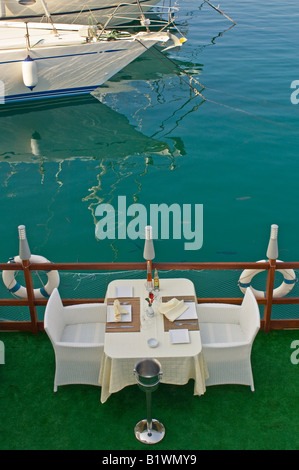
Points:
[[93, 193], [96, 199], [13, 171], [36, 151]]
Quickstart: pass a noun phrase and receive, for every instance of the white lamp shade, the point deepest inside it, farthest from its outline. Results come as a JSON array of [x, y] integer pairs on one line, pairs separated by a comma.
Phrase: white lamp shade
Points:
[[272, 251], [24, 250], [149, 251]]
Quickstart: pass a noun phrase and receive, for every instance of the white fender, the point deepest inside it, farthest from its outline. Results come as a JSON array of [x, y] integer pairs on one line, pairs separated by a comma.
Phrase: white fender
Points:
[[29, 71], [20, 291], [289, 280]]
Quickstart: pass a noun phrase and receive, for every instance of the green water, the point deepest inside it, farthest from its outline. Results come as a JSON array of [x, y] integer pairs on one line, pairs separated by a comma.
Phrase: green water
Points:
[[148, 137]]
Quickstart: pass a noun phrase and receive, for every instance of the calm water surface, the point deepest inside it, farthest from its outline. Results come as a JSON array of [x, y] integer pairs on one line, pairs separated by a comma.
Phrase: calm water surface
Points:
[[148, 137]]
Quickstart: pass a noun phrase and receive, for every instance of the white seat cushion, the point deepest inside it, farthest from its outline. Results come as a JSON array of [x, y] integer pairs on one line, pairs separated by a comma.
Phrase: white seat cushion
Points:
[[212, 333], [84, 333]]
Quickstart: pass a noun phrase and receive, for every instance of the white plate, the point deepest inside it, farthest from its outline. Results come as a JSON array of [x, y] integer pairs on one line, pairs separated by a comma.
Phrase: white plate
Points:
[[123, 291], [152, 342], [190, 313], [179, 336], [124, 316]]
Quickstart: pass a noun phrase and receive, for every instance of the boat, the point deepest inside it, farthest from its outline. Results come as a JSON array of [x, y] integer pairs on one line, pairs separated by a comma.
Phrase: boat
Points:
[[99, 11], [43, 60]]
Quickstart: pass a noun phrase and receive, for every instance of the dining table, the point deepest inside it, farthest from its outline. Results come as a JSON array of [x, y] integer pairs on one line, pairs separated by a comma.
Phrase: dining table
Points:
[[175, 344]]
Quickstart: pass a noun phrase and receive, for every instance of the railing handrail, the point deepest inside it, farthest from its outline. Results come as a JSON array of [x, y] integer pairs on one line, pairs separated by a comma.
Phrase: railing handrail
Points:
[[100, 266]]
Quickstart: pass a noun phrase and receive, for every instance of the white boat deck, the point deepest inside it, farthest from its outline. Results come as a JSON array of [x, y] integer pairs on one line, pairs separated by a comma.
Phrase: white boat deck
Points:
[[13, 36]]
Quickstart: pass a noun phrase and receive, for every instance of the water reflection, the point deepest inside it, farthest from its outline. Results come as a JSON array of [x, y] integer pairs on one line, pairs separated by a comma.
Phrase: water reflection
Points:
[[94, 146], [111, 125], [70, 128], [87, 150], [78, 147]]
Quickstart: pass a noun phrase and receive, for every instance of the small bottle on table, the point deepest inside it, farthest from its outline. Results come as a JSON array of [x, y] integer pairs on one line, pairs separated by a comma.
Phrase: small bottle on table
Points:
[[156, 281]]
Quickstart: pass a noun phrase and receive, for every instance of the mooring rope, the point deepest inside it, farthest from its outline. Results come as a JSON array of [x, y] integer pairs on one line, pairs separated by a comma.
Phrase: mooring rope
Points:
[[219, 11]]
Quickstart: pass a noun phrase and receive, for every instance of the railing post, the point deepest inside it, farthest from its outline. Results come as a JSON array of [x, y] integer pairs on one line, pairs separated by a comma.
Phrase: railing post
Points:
[[30, 295], [272, 254], [25, 254], [269, 294]]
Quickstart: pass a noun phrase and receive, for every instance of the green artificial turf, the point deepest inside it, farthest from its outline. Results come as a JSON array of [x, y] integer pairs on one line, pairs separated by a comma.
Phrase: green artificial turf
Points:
[[226, 417]]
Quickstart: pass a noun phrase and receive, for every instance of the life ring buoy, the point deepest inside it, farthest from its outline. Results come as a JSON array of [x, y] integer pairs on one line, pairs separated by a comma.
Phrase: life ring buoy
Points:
[[20, 291], [289, 280]]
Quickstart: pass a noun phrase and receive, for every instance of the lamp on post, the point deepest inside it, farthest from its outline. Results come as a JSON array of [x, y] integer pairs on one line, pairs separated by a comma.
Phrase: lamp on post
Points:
[[24, 250], [272, 251], [148, 255], [272, 254], [25, 254]]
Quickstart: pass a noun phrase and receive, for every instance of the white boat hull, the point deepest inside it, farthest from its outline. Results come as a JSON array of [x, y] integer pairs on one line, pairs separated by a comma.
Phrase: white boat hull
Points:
[[69, 68]]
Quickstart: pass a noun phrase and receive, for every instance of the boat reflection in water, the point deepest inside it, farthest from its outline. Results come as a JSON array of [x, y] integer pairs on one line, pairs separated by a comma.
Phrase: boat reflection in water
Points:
[[69, 131], [102, 126], [70, 154], [70, 128]]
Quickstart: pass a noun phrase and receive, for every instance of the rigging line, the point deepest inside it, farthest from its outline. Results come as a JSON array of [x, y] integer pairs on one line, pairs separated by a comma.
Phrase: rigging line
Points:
[[248, 113], [270, 121], [255, 100]]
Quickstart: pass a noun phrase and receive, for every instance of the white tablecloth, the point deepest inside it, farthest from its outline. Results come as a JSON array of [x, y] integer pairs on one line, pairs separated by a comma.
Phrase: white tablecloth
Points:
[[180, 362]]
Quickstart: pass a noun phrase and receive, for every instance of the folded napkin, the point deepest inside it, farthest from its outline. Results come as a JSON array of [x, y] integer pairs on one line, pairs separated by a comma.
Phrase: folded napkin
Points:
[[118, 310], [173, 309]]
